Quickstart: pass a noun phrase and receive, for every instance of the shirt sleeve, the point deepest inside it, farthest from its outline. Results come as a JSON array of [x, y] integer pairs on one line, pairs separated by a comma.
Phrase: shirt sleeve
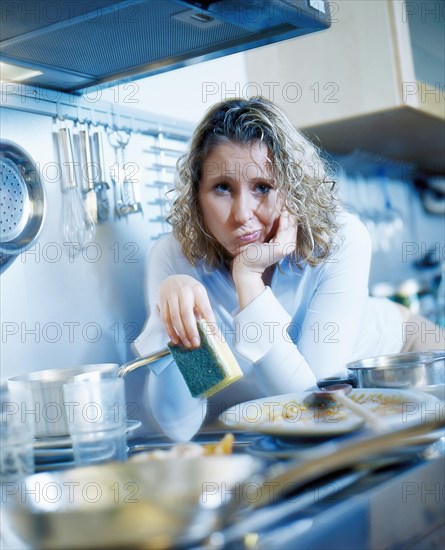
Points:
[[264, 339], [326, 338], [165, 259], [177, 413]]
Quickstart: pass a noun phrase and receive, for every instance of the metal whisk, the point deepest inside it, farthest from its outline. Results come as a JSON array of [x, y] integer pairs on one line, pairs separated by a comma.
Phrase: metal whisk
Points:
[[77, 225]]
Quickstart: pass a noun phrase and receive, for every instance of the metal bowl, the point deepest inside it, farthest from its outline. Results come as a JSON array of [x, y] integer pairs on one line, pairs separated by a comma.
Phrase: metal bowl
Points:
[[46, 388], [155, 504], [23, 200]]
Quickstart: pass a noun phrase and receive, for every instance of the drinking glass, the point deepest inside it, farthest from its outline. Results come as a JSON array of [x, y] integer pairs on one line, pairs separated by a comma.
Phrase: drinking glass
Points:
[[95, 411], [16, 434]]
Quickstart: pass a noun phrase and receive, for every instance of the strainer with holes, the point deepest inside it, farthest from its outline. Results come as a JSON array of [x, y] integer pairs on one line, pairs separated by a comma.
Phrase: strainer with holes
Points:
[[22, 201]]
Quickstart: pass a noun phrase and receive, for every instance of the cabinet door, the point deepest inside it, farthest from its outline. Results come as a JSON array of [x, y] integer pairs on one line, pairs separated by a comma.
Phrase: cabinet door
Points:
[[345, 71], [355, 85]]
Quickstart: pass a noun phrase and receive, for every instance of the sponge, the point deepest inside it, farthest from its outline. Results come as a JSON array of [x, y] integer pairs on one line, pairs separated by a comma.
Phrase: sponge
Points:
[[209, 368]]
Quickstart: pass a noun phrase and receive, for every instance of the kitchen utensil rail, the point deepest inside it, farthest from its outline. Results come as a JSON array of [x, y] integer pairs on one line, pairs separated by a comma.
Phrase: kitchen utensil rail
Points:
[[166, 150], [159, 183], [158, 167]]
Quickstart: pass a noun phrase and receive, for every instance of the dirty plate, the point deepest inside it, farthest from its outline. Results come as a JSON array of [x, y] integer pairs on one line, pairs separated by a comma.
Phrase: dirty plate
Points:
[[288, 415]]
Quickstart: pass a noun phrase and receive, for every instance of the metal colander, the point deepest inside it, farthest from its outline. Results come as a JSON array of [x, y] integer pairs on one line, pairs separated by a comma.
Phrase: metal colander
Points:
[[22, 201], [14, 201]]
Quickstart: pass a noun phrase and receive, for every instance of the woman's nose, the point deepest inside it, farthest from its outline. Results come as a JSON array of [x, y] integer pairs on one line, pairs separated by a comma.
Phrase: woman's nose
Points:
[[242, 209]]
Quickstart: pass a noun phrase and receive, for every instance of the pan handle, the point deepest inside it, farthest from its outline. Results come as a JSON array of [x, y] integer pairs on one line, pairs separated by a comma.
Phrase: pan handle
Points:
[[327, 458], [328, 382], [142, 361]]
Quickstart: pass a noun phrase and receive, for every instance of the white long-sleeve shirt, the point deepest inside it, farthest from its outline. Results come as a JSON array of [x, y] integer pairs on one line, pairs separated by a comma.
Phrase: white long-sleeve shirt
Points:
[[307, 325]]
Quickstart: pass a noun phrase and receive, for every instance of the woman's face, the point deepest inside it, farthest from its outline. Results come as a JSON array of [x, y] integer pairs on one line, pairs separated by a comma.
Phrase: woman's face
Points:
[[237, 195]]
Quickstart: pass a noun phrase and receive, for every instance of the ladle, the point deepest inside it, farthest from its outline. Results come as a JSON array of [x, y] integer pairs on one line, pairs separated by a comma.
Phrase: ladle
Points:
[[338, 393]]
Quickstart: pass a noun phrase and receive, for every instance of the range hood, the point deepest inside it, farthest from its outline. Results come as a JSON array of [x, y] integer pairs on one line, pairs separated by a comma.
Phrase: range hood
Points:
[[76, 45]]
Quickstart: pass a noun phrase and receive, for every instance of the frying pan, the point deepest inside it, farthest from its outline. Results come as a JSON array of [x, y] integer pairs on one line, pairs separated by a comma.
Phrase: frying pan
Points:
[[424, 371], [47, 389]]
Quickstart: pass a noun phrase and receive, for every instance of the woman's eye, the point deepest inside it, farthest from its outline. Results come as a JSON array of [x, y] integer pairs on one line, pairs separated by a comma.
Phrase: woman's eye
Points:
[[263, 189], [221, 188]]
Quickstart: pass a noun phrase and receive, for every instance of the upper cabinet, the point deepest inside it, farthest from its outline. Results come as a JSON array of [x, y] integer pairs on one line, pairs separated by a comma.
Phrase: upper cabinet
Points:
[[375, 80]]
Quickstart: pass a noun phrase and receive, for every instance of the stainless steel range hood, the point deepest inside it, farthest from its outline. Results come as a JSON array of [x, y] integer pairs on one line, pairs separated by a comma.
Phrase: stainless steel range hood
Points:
[[78, 44]]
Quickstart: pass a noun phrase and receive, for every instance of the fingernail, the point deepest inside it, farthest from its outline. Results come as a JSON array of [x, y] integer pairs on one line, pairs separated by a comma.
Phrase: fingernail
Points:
[[195, 342]]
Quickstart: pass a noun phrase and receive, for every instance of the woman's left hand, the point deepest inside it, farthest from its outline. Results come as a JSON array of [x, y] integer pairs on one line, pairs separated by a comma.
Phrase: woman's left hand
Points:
[[252, 261], [257, 257]]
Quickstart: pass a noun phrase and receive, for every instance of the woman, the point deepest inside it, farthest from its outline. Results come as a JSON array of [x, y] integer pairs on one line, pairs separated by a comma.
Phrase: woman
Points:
[[260, 246]]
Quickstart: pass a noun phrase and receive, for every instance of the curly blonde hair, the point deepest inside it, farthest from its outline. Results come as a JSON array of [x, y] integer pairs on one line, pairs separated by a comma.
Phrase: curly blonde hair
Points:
[[301, 179]]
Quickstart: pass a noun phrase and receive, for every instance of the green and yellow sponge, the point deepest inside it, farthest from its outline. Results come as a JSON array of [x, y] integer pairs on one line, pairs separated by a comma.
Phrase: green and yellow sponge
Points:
[[209, 368]]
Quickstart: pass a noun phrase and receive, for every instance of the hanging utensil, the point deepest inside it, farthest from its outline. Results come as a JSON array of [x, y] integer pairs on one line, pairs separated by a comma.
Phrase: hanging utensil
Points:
[[101, 185], [22, 202], [130, 193], [126, 198], [77, 226], [118, 143], [87, 181]]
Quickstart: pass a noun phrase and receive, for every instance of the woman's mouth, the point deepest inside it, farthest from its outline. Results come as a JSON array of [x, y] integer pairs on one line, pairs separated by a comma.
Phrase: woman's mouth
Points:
[[250, 237]]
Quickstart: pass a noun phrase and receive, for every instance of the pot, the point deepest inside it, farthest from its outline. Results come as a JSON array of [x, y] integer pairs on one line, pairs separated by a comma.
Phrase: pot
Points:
[[423, 371], [47, 389]]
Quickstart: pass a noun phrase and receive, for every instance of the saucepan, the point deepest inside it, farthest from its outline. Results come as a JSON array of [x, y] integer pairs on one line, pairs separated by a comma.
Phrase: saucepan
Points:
[[47, 408], [46, 388], [175, 503], [423, 371]]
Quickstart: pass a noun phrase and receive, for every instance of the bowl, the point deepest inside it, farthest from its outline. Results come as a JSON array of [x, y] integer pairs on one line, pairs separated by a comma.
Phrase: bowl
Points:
[[156, 504]]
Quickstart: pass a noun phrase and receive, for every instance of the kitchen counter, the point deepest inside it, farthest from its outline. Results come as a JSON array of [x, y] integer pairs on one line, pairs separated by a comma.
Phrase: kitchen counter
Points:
[[395, 509], [393, 502], [397, 506]]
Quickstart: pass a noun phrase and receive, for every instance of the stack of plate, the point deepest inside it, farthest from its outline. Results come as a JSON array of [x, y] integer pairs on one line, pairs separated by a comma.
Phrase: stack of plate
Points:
[[56, 453], [291, 427]]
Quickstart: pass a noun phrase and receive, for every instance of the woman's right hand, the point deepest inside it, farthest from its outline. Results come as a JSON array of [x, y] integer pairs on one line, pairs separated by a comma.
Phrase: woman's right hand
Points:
[[181, 301]]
